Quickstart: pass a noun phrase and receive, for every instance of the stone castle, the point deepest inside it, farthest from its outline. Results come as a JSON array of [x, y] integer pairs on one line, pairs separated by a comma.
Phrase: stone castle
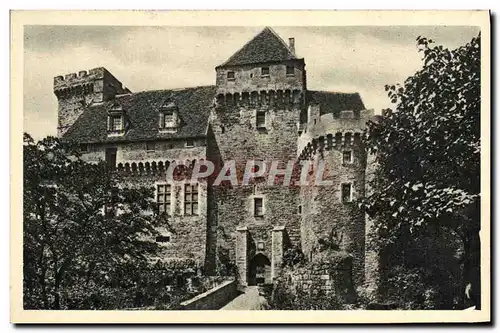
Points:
[[258, 109]]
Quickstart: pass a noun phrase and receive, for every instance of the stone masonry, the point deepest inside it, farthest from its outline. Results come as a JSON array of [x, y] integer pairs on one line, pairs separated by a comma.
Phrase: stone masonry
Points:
[[259, 109]]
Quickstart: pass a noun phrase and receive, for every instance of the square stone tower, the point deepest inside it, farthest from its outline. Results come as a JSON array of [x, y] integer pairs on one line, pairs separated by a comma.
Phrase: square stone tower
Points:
[[75, 92], [260, 96]]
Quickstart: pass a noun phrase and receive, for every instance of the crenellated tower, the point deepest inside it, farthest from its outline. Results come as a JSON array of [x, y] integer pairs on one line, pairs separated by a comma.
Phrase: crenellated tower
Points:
[[330, 212], [77, 91], [260, 98]]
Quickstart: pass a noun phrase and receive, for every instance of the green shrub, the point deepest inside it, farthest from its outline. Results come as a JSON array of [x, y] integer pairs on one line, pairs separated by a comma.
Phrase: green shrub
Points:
[[293, 257]]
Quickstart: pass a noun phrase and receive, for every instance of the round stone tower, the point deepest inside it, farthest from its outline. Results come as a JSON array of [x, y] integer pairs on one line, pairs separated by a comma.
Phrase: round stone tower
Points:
[[330, 215]]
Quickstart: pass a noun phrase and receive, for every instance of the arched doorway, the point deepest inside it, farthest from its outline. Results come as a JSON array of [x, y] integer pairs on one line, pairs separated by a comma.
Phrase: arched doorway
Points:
[[260, 270]]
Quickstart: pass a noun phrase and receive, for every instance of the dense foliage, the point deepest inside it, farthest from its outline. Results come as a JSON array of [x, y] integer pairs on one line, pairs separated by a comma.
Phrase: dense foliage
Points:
[[293, 256], [426, 187], [81, 234]]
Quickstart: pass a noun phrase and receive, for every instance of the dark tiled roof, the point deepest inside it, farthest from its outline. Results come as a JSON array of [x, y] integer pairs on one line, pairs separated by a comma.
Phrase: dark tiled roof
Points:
[[334, 102], [142, 112], [267, 46]]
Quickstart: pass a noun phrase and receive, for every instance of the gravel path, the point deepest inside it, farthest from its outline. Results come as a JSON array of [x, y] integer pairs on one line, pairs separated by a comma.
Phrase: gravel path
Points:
[[250, 300]]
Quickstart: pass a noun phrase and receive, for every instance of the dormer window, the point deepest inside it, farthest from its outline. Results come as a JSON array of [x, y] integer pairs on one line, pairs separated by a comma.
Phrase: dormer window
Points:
[[168, 116], [116, 123], [116, 120], [264, 71]]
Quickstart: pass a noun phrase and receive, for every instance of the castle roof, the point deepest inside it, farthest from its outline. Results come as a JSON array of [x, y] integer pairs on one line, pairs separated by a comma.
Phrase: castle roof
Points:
[[334, 102], [141, 110], [267, 46]]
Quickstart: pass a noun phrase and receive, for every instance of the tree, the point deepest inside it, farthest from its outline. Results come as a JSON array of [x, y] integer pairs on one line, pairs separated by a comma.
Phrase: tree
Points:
[[427, 150], [81, 225]]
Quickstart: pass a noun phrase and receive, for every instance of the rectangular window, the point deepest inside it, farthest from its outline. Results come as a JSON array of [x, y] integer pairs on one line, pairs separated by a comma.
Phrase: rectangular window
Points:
[[163, 239], [258, 207], [261, 119], [230, 76], [290, 70], [110, 158], [84, 147], [190, 199], [346, 192], [164, 198], [264, 71], [347, 157], [150, 146], [299, 210], [115, 123], [169, 115], [189, 143], [167, 119]]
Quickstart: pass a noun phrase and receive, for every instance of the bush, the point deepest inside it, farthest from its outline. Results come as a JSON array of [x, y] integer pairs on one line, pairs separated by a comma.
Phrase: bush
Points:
[[293, 257], [160, 286], [418, 289]]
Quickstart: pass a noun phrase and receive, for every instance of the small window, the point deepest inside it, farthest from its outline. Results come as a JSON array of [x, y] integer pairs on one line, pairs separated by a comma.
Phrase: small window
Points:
[[163, 239], [189, 143], [264, 71], [347, 157], [190, 199], [167, 119], [230, 76], [261, 119], [164, 198], [258, 208], [150, 146], [290, 70], [346, 192], [84, 147], [115, 123], [168, 116], [299, 210]]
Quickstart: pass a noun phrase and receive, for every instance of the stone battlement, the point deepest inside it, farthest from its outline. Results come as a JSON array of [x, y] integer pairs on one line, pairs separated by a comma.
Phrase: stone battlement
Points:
[[345, 129], [84, 77], [64, 81], [74, 91]]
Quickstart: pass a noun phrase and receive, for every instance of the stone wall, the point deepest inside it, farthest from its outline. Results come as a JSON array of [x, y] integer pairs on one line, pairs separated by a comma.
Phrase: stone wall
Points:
[[213, 299], [325, 215], [237, 138], [330, 275], [188, 233], [165, 150], [248, 77], [372, 257]]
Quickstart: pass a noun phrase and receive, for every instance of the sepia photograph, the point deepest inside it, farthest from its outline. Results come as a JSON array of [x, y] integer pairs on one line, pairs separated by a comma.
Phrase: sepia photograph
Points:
[[273, 168]]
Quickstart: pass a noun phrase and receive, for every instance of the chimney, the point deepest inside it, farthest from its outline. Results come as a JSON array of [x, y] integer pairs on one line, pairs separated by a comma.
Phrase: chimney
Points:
[[291, 44]]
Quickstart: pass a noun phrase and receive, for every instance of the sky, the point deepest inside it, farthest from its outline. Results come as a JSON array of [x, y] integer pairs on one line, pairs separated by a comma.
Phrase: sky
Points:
[[343, 59]]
